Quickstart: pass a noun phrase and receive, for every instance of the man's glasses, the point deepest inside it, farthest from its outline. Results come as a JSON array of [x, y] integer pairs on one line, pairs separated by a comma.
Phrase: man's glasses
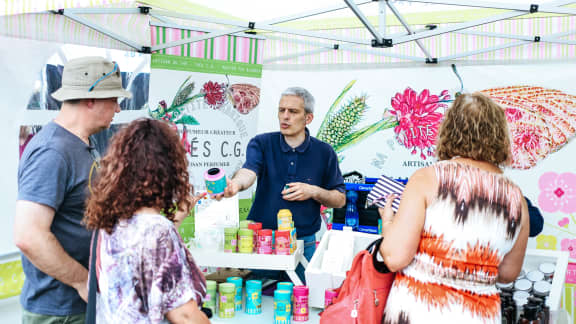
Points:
[[104, 77]]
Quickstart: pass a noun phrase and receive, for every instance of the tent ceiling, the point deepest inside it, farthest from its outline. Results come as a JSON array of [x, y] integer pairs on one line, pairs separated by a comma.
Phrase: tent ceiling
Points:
[[378, 38], [382, 42]]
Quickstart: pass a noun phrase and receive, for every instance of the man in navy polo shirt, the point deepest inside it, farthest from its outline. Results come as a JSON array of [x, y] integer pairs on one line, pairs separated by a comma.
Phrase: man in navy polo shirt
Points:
[[295, 171]]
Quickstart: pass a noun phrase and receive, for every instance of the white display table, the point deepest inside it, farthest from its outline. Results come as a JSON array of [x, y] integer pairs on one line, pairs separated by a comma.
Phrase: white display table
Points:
[[266, 317], [286, 263]]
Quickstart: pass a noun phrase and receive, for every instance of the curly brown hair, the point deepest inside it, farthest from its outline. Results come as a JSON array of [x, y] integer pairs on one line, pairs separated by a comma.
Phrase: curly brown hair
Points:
[[145, 166], [474, 127]]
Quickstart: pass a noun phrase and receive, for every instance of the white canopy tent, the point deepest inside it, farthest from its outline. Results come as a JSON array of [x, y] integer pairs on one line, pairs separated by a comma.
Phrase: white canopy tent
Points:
[[345, 32], [338, 32], [389, 29]]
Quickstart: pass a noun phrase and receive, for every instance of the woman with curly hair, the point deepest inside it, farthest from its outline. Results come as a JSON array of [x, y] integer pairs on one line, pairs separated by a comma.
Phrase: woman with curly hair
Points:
[[461, 225], [145, 273]]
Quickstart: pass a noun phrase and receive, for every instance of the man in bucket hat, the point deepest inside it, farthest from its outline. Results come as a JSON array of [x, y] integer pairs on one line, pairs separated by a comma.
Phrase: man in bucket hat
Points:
[[55, 169]]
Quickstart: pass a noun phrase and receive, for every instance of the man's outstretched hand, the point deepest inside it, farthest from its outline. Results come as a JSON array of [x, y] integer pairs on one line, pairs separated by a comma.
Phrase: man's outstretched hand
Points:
[[231, 190]]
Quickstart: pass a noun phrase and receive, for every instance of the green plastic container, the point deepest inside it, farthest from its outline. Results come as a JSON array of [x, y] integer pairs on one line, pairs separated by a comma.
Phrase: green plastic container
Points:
[[245, 240], [210, 301], [244, 223], [226, 306], [230, 239]]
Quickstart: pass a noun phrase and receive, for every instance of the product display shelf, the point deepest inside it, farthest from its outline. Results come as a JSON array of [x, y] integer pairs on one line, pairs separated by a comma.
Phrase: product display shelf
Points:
[[532, 260], [266, 317], [286, 263]]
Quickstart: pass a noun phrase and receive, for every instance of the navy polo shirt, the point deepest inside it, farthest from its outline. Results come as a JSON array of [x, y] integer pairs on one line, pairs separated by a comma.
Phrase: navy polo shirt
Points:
[[276, 164]]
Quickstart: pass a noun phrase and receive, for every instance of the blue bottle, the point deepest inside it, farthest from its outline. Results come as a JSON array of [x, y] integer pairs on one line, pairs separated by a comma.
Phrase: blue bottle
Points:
[[351, 218]]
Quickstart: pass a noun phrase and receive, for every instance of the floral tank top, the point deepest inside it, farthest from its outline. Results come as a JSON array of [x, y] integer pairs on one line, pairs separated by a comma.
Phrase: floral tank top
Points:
[[144, 270], [469, 227]]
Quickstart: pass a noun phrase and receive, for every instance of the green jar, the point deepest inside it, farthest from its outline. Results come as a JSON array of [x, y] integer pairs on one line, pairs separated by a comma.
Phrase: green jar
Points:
[[244, 223], [226, 307], [210, 301], [245, 240], [230, 239]]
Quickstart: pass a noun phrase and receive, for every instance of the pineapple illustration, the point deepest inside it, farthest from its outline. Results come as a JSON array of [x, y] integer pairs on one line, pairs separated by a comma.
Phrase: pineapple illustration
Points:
[[173, 113], [339, 126]]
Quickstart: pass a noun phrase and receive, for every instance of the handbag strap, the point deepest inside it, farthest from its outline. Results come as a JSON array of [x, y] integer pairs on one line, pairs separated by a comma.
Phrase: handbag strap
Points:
[[374, 248], [93, 282]]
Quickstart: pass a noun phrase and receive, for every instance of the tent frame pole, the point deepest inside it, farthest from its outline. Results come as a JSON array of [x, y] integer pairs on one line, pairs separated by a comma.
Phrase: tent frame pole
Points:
[[546, 8], [499, 47], [349, 48], [262, 26], [169, 24], [544, 39], [81, 20], [199, 38], [409, 30], [312, 12], [456, 27], [482, 51], [364, 20], [382, 17], [239, 28], [346, 43]]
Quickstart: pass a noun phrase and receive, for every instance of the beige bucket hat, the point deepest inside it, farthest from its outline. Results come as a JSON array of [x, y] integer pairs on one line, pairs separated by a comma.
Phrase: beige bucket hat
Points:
[[91, 77]]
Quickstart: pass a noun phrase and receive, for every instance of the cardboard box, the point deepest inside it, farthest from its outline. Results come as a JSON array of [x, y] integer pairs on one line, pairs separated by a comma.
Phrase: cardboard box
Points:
[[317, 280]]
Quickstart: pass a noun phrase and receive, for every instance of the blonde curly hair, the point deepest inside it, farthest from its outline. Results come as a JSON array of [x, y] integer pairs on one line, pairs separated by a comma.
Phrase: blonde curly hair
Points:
[[474, 127]]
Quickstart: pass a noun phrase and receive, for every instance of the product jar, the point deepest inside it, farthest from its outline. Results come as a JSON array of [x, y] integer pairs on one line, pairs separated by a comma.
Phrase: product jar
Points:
[[245, 240], [230, 239], [300, 310], [226, 306], [237, 281], [282, 307], [253, 297]]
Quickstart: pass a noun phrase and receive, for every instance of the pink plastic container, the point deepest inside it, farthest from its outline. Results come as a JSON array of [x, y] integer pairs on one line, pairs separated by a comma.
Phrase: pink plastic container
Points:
[[264, 245], [300, 313], [329, 296]]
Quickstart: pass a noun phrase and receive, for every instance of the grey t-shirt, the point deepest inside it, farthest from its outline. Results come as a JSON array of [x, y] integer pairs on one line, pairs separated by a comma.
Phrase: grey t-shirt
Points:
[[54, 171]]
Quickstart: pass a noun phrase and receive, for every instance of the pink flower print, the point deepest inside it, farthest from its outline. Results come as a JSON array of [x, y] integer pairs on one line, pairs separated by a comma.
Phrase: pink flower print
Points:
[[513, 114], [215, 94], [557, 192], [570, 246], [418, 119], [528, 138]]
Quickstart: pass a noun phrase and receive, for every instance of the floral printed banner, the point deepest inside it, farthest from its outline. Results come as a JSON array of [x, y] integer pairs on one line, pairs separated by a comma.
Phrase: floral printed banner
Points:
[[385, 121], [214, 105]]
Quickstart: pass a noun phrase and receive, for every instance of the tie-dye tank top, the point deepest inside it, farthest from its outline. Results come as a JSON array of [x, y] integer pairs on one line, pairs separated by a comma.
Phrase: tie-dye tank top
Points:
[[472, 223]]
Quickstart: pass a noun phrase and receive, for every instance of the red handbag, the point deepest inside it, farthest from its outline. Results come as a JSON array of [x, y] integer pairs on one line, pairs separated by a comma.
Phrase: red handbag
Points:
[[363, 294]]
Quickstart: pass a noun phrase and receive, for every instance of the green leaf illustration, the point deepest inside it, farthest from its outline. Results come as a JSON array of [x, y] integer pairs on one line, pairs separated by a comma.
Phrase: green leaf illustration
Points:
[[183, 92], [180, 106], [363, 133], [187, 120]]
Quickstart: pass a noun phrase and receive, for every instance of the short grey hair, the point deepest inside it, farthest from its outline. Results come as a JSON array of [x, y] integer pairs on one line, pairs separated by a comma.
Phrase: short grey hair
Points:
[[301, 93]]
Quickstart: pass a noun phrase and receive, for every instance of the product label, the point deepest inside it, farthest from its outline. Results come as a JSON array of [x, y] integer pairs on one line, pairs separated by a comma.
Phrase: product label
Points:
[[571, 273]]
